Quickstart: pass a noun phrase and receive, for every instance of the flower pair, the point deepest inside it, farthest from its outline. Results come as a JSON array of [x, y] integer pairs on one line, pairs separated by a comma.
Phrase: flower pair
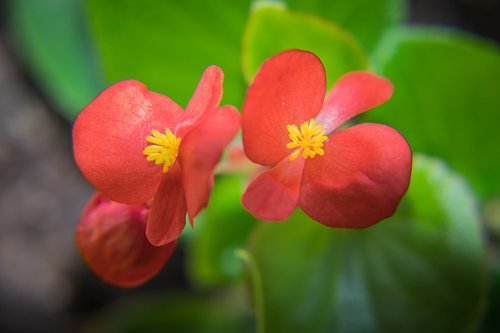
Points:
[[141, 149]]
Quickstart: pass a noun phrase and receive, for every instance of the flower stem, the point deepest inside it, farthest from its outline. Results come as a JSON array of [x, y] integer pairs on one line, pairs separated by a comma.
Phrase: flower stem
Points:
[[257, 287]]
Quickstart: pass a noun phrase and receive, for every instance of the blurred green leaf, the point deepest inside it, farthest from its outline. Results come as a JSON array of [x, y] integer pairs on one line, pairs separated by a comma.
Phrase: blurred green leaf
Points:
[[168, 44], [491, 217], [446, 100], [54, 44], [224, 229], [423, 270], [366, 20], [491, 321], [272, 28], [174, 314]]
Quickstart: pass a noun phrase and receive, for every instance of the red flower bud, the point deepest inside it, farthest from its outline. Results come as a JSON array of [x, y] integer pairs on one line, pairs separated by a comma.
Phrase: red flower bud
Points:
[[112, 239]]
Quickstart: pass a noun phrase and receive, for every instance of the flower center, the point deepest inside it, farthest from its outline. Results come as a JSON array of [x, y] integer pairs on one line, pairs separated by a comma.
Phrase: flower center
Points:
[[164, 148], [309, 140]]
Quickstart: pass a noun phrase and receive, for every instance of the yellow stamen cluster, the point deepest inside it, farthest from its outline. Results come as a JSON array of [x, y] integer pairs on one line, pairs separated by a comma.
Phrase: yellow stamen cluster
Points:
[[309, 140], [164, 148]]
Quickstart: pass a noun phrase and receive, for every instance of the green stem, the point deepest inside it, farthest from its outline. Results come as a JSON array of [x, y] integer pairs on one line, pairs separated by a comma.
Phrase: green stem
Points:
[[257, 287]]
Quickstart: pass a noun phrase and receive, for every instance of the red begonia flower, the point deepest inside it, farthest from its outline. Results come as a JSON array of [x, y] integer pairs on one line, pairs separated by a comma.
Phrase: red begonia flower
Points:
[[135, 145], [351, 178], [111, 238]]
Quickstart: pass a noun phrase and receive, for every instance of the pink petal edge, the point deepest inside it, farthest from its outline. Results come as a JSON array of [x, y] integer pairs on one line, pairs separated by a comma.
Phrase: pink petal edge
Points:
[[274, 194], [167, 216], [200, 153], [354, 93], [205, 99]]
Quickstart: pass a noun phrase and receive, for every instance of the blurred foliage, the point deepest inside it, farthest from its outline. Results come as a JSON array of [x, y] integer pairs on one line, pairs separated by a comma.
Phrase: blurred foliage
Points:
[[223, 230], [365, 19], [168, 44], [446, 100], [423, 270], [55, 46], [272, 28], [174, 314], [490, 322]]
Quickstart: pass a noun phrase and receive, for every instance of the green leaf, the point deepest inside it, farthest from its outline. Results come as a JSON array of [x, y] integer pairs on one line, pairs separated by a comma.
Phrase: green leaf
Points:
[[167, 44], [446, 100], [490, 322], [174, 314], [423, 270], [272, 28], [225, 228], [53, 42], [366, 20]]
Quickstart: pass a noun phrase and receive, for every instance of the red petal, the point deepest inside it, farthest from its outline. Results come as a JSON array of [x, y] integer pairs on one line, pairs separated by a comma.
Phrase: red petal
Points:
[[273, 195], [111, 238], [199, 153], [167, 217], [288, 89], [361, 178], [205, 99], [109, 137], [354, 93]]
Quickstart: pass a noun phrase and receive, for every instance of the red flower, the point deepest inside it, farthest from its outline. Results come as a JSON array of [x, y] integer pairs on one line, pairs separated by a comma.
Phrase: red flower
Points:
[[346, 178], [111, 238], [135, 145]]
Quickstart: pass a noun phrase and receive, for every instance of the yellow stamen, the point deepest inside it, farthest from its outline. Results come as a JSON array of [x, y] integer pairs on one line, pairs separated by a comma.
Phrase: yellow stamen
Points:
[[309, 140], [164, 149]]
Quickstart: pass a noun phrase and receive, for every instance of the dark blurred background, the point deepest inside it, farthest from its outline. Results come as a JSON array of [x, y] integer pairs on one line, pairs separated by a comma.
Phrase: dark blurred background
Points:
[[44, 285]]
